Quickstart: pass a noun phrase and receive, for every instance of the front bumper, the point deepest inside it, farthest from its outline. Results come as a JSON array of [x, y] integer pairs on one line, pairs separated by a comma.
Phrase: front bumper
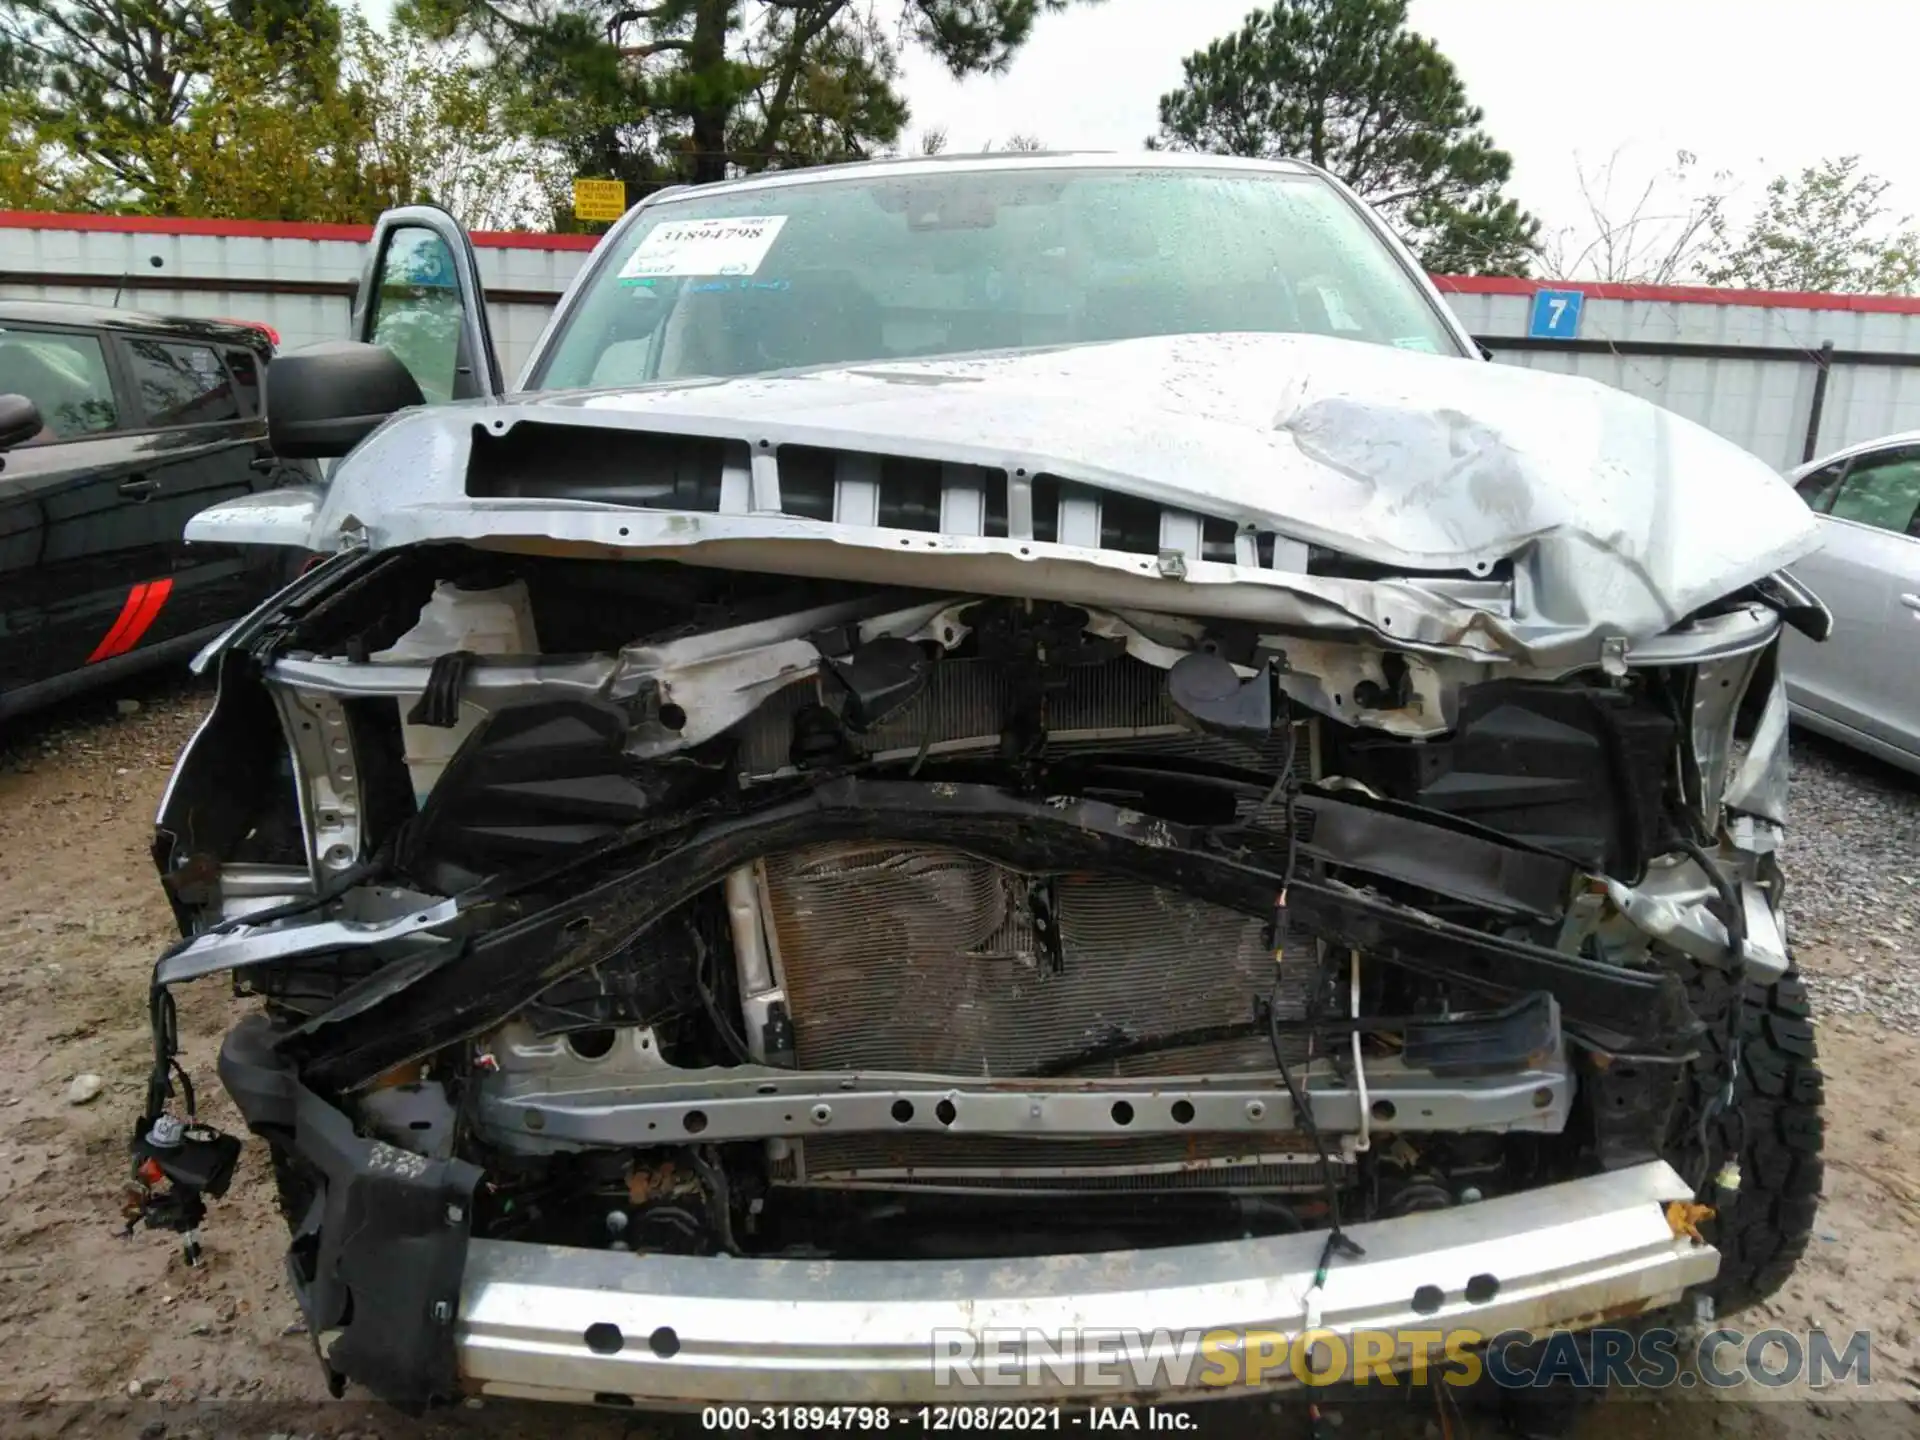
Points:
[[551, 1323]]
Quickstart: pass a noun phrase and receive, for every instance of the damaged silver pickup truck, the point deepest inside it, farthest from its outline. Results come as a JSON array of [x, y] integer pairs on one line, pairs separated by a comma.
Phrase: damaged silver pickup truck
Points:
[[985, 748]]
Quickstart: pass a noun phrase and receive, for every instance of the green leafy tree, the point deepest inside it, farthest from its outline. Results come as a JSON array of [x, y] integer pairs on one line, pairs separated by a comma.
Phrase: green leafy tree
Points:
[[257, 139], [1824, 229], [95, 91], [1345, 84], [105, 79], [697, 90], [443, 127], [110, 80], [278, 111], [35, 172]]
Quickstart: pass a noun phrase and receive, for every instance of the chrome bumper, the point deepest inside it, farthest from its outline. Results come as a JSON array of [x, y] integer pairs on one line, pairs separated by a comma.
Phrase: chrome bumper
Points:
[[547, 1322]]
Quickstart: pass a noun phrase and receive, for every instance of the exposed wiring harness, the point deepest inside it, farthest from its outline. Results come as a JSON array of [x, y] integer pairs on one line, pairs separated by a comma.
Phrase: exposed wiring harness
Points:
[[736, 1046], [160, 1008], [166, 1053], [1338, 1241], [713, 1176]]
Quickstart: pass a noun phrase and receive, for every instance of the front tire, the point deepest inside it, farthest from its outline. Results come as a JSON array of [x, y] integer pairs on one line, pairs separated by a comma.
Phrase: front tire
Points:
[[1761, 1230]]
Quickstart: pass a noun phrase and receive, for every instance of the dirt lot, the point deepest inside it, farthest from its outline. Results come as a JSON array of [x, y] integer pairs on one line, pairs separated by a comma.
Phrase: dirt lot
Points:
[[88, 1319]]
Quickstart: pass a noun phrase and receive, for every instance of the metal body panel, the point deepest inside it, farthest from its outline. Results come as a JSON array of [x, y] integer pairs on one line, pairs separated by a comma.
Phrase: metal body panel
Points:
[[1397, 458], [695, 1331], [93, 567], [1813, 720], [1865, 678], [718, 1108], [1861, 686]]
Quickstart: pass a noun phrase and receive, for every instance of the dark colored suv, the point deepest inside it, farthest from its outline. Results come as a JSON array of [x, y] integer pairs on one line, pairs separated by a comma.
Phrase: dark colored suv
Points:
[[147, 420]]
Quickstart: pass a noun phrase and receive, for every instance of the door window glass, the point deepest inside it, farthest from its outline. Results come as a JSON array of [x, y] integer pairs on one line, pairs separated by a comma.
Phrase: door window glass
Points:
[[181, 384], [65, 375], [416, 309], [244, 366], [1884, 495], [1818, 488]]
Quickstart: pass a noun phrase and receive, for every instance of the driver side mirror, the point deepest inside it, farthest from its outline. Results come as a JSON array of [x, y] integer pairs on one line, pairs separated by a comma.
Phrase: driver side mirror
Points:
[[19, 421], [322, 400]]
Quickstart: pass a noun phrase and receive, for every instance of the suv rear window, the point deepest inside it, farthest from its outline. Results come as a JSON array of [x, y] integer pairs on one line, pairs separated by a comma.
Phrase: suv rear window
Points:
[[181, 384]]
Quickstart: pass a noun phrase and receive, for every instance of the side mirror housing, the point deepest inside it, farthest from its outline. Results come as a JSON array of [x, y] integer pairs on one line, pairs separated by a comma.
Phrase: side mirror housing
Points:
[[322, 400], [19, 421]]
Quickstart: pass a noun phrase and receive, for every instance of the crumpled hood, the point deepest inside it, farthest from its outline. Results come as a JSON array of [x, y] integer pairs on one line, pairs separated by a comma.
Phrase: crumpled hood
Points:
[[1617, 514]]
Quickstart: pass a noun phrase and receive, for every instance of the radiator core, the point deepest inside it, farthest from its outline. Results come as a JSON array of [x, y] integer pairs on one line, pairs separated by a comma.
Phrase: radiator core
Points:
[[926, 959], [913, 958]]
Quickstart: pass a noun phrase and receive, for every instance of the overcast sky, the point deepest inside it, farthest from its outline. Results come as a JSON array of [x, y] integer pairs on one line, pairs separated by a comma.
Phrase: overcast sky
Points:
[[1755, 89]]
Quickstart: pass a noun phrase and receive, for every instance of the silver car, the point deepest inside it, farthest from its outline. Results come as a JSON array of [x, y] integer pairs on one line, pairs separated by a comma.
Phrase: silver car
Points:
[[988, 764], [1863, 687]]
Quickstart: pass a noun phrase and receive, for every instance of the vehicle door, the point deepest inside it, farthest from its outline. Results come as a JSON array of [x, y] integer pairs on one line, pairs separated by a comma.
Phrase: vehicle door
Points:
[[1868, 573], [420, 296], [85, 559], [200, 439]]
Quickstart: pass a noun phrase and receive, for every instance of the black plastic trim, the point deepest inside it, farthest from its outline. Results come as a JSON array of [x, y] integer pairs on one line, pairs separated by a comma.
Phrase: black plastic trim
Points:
[[376, 1259]]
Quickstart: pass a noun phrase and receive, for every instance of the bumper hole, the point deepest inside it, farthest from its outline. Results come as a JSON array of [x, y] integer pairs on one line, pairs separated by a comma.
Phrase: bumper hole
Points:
[[695, 1122], [1122, 1113], [1482, 1288], [1382, 1110], [607, 1397], [945, 1113], [604, 1338], [1428, 1299], [664, 1343], [591, 1044], [673, 718], [903, 1111], [1183, 1112]]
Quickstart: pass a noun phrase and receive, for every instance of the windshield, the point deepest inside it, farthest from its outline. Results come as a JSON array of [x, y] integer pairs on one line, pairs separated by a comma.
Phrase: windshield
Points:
[[890, 267]]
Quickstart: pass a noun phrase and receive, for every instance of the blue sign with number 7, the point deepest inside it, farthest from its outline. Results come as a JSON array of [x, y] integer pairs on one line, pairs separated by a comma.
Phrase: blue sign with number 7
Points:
[[1556, 315]]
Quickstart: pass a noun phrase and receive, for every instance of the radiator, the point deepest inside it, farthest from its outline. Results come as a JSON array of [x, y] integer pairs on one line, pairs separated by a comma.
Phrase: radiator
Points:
[[927, 959], [911, 958]]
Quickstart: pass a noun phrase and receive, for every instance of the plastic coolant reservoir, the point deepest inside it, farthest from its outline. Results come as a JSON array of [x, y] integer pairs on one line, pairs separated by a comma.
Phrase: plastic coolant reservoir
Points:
[[498, 621]]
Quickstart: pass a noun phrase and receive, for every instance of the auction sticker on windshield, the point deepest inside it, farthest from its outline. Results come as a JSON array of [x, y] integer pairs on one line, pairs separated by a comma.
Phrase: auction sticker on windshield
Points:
[[704, 247]]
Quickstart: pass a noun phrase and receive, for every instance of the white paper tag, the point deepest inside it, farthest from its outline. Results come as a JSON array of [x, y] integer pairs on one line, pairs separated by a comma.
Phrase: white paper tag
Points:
[[704, 247]]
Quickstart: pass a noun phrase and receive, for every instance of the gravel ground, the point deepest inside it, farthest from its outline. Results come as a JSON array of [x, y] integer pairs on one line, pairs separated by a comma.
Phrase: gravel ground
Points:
[[1852, 859]]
